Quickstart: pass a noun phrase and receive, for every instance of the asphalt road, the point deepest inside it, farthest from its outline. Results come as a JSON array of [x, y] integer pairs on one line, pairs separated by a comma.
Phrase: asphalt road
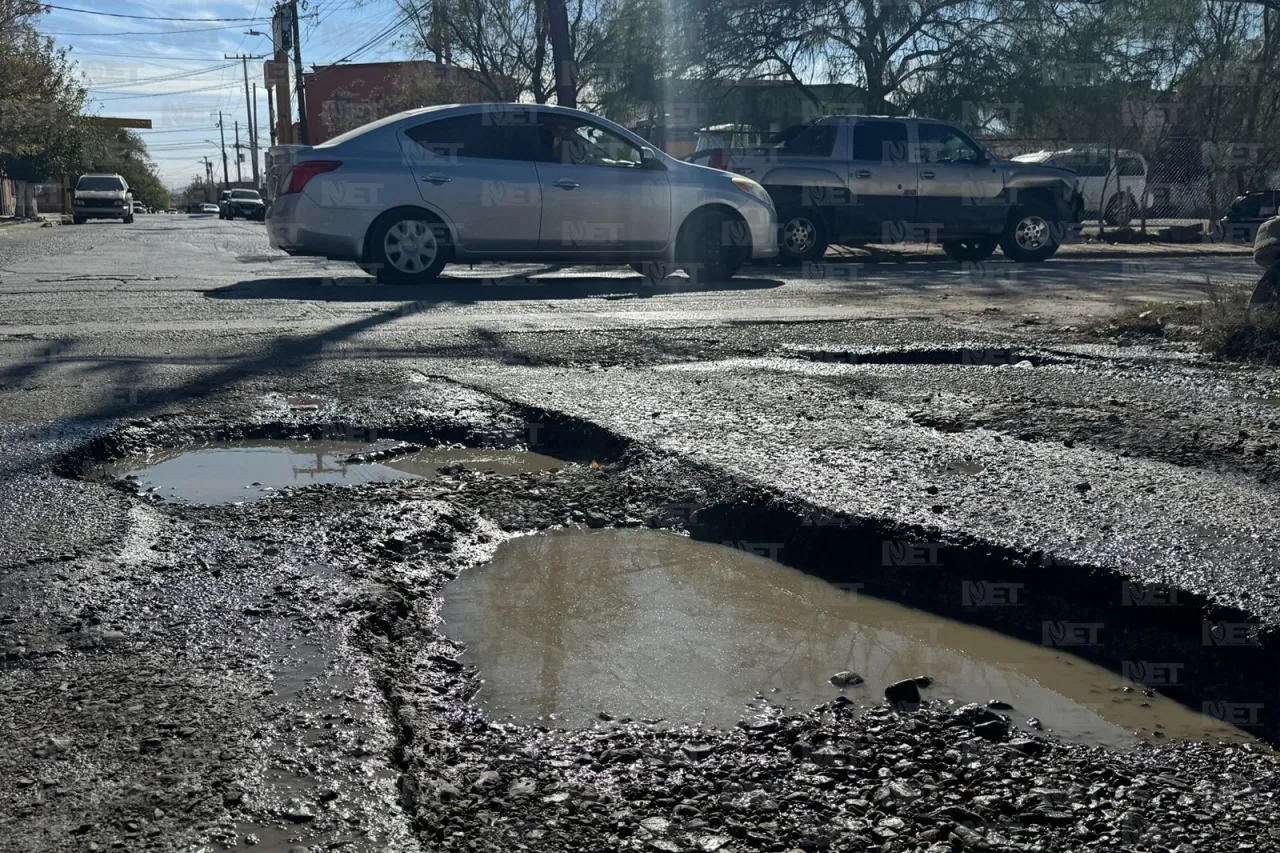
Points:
[[907, 396]]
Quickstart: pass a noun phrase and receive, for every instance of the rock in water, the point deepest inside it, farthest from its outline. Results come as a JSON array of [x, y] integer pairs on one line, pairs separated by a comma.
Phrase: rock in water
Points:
[[903, 692], [846, 679]]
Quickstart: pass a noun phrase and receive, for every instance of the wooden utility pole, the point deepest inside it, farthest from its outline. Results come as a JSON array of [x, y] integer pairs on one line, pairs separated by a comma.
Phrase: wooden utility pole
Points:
[[271, 116], [303, 136], [239, 156], [562, 54], [281, 42], [249, 110], [222, 134]]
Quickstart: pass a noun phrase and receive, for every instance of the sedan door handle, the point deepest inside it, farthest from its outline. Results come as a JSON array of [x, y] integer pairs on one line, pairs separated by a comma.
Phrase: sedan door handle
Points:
[[927, 175], [565, 184], [862, 173], [437, 178]]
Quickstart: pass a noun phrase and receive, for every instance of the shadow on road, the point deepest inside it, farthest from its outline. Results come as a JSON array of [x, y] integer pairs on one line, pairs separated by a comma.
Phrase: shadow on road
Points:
[[357, 288]]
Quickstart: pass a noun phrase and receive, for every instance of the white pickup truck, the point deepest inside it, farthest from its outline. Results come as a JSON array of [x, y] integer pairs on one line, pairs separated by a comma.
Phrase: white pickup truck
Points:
[[856, 180]]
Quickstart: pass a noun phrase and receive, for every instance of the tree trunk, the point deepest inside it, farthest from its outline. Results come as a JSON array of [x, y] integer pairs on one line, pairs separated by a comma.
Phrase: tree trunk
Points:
[[562, 54]]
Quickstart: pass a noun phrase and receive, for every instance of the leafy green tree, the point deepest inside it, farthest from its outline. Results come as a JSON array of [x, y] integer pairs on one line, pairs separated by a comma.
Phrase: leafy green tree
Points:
[[41, 133], [123, 151]]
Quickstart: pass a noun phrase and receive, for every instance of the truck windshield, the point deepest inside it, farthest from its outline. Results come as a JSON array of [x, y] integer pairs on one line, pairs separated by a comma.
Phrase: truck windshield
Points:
[[100, 184], [245, 194]]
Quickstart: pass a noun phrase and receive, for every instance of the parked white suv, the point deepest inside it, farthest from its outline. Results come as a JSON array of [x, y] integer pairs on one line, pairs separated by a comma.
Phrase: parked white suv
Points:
[[102, 196], [409, 193], [1113, 183]]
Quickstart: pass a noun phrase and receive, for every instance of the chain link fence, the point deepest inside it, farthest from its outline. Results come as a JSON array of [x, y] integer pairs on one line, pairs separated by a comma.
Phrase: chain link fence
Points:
[[1181, 181]]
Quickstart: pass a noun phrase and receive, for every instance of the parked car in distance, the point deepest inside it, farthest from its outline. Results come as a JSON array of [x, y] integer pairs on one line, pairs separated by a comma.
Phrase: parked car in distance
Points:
[[857, 180], [407, 194], [246, 203], [1247, 212], [102, 196], [172, 210], [208, 207], [139, 207], [1112, 183]]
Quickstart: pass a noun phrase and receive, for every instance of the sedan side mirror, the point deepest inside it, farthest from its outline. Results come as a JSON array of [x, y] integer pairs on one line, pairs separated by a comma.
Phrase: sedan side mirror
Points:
[[649, 159]]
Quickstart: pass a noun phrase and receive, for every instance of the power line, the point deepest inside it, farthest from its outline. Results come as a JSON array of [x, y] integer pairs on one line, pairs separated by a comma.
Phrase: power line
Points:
[[142, 57], [109, 34], [189, 128], [387, 32], [142, 17], [164, 77], [219, 87]]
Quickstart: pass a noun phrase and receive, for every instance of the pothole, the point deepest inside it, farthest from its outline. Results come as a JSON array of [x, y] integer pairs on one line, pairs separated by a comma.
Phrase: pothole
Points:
[[233, 472], [658, 627], [969, 356]]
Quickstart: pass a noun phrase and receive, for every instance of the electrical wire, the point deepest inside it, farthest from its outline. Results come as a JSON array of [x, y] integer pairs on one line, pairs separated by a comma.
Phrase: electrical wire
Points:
[[163, 78], [387, 32], [109, 34], [75, 52], [219, 87], [144, 17]]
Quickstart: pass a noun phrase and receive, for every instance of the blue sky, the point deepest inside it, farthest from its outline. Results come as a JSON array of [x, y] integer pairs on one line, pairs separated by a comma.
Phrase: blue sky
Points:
[[122, 69]]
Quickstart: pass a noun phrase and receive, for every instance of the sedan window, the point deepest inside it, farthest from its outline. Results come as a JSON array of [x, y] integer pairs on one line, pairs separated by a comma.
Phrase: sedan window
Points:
[[460, 136], [571, 141]]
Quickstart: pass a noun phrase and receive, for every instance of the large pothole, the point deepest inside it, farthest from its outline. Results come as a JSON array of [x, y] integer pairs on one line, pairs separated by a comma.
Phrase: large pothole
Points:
[[568, 625], [230, 472]]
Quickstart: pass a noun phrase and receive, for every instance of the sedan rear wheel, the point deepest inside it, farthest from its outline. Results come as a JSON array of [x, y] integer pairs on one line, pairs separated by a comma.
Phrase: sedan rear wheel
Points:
[[409, 248]]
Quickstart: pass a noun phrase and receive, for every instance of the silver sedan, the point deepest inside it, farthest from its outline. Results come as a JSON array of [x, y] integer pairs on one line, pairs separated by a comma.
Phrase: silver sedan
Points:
[[407, 194]]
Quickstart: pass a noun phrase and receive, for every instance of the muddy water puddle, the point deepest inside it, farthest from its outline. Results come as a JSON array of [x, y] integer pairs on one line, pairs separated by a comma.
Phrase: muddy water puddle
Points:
[[251, 470], [654, 626]]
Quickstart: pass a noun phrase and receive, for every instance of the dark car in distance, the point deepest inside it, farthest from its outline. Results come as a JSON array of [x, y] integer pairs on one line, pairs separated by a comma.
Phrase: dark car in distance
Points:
[[245, 203]]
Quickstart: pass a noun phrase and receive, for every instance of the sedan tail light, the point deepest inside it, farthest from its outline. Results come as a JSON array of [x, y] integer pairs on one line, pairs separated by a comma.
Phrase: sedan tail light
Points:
[[305, 171]]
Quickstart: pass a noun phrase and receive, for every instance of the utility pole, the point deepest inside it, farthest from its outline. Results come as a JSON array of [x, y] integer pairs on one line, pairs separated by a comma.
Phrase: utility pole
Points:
[[226, 179], [271, 116], [239, 156], [304, 136], [256, 183], [562, 54], [249, 111], [281, 43]]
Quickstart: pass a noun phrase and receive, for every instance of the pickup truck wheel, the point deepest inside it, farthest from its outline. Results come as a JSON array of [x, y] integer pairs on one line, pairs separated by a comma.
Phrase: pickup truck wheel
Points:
[[77, 220], [1033, 234], [410, 247], [801, 237], [1120, 210], [969, 251], [703, 252]]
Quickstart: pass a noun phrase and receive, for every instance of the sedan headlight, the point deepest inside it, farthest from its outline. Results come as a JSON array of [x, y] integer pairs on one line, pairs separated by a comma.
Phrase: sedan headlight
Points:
[[752, 188]]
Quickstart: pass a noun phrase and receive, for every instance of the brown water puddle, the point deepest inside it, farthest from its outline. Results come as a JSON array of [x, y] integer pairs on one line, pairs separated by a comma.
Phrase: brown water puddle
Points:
[[655, 626], [250, 470]]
